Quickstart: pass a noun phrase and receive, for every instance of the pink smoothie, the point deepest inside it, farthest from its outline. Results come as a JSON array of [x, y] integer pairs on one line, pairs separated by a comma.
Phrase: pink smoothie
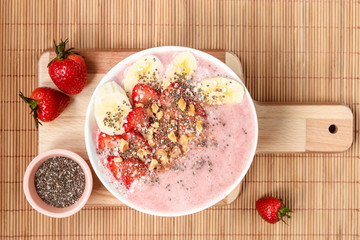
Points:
[[208, 173], [204, 174]]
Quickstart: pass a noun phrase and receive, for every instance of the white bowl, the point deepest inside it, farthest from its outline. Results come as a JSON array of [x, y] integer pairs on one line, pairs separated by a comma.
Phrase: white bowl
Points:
[[90, 123]]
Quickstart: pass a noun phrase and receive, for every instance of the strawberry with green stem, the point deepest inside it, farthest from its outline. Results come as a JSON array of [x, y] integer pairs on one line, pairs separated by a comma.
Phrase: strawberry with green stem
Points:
[[68, 69], [272, 209], [46, 104]]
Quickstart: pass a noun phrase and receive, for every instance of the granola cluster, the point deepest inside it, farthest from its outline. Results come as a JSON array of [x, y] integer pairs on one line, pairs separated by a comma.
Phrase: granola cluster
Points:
[[174, 126]]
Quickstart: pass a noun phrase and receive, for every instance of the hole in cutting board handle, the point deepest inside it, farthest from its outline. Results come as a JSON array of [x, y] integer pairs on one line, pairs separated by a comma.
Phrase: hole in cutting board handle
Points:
[[333, 128]]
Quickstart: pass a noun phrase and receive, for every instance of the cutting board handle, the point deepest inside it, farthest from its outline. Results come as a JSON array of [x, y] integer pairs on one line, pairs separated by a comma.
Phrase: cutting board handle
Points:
[[299, 127], [304, 128]]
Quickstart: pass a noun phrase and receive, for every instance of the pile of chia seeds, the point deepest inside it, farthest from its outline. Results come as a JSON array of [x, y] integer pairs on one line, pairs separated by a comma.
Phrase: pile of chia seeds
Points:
[[59, 181]]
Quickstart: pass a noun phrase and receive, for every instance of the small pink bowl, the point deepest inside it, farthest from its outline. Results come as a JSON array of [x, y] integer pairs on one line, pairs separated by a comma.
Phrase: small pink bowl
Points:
[[37, 203]]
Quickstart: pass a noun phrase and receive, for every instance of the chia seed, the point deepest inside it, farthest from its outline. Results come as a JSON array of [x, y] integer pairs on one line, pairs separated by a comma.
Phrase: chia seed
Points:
[[59, 182], [244, 131]]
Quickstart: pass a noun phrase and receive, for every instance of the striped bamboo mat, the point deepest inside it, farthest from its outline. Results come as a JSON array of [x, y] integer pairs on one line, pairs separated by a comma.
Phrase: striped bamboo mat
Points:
[[292, 50]]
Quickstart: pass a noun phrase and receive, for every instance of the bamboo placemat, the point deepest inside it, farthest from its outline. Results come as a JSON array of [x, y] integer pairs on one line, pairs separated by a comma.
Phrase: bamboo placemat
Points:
[[298, 50]]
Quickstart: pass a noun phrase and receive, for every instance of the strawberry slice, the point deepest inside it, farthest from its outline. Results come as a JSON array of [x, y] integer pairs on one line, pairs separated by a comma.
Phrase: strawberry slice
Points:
[[110, 158], [173, 93], [135, 140], [137, 120], [199, 110], [144, 94], [115, 168], [107, 142], [131, 170]]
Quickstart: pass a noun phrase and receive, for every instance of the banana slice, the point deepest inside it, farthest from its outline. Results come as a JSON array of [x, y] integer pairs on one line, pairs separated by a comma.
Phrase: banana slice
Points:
[[219, 90], [181, 68], [145, 70], [111, 108]]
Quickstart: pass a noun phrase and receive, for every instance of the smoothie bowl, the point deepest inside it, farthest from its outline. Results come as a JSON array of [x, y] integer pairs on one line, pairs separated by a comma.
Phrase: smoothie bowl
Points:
[[171, 131]]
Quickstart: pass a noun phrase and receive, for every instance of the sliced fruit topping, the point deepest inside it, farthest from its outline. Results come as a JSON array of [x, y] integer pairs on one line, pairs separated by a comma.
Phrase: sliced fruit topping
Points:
[[132, 169], [111, 108], [181, 68], [146, 69], [144, 94], [219, 90], [109, 143], [136, 141], [138, 147], [172, 94], [115, 167], [196, 109], [137, 120]]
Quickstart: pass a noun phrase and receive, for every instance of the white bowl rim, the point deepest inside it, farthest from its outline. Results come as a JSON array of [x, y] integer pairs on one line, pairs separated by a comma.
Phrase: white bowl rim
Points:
[[88, 132]]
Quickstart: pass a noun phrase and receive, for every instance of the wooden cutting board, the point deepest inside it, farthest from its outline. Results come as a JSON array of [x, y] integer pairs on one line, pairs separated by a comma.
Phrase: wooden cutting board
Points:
[[282, 127]]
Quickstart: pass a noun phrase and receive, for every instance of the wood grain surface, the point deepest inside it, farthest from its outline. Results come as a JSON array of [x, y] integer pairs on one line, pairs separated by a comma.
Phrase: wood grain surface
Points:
[[292, 51], [282, 127]]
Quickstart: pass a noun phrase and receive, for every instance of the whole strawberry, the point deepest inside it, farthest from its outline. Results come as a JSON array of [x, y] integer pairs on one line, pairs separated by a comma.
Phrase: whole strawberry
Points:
[[271, 209], [46, 104], [68, 70]]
